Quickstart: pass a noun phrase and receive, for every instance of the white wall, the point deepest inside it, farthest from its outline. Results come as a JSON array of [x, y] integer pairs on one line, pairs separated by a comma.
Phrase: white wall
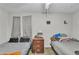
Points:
[[57, 25], [3, 26], [39, 24], [76, 25]]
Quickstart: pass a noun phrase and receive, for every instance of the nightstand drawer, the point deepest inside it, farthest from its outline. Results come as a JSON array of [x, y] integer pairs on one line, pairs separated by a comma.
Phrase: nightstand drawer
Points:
[[38, 50], [38, 46], [38, 42]]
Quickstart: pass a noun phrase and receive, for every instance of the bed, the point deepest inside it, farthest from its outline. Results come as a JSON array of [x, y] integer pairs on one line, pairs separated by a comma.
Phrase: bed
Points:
[[65, 48], [23, 47]]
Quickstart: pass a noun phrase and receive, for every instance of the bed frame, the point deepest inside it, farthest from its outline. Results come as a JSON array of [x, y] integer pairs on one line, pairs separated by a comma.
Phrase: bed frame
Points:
[[29, 49], [54, 50]]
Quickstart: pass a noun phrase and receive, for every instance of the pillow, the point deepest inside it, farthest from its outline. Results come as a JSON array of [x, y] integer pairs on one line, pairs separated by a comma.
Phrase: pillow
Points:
[[13, 40], [65, 39], [23, 39]]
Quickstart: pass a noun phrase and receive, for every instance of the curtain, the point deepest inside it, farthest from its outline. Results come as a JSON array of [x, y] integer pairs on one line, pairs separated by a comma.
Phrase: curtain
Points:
[[26, 24], [16, 27]]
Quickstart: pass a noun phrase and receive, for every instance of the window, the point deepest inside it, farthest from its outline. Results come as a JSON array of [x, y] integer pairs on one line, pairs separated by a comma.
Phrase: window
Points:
[[16, 27], [21, 27]]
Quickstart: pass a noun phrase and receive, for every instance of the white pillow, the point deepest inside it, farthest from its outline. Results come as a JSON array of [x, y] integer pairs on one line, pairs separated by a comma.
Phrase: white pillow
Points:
[[65, 39]]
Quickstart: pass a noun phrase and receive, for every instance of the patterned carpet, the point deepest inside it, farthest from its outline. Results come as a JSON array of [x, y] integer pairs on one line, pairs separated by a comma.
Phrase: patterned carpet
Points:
[[47, 51]]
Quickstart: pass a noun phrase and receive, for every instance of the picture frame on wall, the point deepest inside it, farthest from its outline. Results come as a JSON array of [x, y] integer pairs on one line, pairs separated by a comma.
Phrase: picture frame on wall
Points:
[[48, 22]]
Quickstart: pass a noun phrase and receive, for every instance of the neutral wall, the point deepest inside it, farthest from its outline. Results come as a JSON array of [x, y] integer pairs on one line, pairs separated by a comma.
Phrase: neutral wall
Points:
[[76, 25], [3, 26], [39, 24], [57, 25]]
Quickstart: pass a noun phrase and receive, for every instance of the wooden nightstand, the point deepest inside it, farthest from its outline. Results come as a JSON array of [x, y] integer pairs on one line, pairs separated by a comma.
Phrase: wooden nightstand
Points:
[[38, 45]]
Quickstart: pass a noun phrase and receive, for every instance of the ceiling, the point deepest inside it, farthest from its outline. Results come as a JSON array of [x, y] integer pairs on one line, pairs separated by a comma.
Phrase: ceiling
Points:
[[40, 7]]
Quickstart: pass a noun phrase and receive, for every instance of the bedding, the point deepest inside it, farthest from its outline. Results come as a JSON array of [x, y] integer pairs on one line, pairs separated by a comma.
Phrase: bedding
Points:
[[66, 47], [10, 47], [12, 53]]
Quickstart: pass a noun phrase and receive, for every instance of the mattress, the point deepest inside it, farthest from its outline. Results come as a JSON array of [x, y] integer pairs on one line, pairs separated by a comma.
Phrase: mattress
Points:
[[23, 47], [66, 48]]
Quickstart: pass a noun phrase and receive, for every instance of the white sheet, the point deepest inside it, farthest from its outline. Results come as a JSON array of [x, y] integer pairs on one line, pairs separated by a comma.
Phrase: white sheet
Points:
[[10, 47], [67, 48]]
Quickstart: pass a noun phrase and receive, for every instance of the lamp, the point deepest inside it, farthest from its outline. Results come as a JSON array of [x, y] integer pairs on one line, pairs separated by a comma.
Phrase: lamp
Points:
[[47, 5]]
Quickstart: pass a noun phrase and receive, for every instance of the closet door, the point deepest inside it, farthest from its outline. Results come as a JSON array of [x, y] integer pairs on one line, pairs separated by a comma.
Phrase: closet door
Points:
[[26, 24], [16, 27]]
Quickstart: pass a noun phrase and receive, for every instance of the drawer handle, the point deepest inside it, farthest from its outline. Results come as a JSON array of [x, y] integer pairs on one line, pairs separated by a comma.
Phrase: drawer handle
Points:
[[38, 49], [38, 41], [38, 45]]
